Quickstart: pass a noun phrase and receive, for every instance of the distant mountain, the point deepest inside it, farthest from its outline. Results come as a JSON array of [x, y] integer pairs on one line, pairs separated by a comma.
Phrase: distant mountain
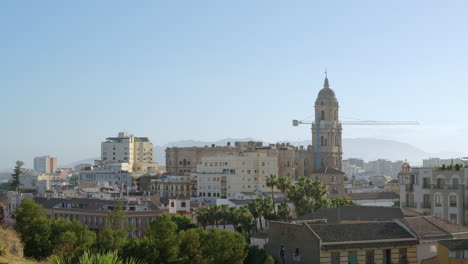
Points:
[[83, 161], [364, 148]]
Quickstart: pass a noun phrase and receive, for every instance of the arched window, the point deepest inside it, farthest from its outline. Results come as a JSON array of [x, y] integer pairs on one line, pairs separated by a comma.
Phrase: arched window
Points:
[[322, 115]]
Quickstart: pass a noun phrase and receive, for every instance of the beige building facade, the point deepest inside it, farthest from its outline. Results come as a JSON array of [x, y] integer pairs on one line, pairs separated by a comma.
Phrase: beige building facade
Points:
[[224, 175], [125, 149], [45, 164]]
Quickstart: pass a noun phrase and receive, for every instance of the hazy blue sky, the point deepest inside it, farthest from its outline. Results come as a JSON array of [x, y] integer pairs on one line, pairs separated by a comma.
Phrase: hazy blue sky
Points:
[[75, 72]]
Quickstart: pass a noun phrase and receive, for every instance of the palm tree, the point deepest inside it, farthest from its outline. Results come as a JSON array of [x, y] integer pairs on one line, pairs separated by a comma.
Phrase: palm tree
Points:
[[272, 182], [266, 209], [202, 217], [224, 211], [214, 215], [284, 184], [284, 212], [234, 217], [246, 220], [254, 208]]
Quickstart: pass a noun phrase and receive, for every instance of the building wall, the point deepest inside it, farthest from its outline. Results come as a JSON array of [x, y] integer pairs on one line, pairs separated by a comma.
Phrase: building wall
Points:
[[95, 220], [227, 174], [292, 161], [443, 257], [325, 256], [293, 236], [45, 164], [136, 151], [424, 182]]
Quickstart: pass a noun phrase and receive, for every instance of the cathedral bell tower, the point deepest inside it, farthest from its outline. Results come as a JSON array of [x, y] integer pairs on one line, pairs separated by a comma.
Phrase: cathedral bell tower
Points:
[[326, 131]]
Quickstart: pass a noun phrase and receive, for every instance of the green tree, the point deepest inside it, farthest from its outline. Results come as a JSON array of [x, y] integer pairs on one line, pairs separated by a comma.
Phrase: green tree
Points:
[[36, 239], [255, 210], [183, 222], [15, 177], [162, 236], [255, 255], [224, 214], [267, 210], [284, 183], [191, 250], [223, 246], [202, 217], [70, 238], [116, 230], [284, 212], [27, 212]]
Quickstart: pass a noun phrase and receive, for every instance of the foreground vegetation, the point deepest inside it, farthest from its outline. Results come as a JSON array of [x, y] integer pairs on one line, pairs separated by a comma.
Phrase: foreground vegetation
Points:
[[168, 239]]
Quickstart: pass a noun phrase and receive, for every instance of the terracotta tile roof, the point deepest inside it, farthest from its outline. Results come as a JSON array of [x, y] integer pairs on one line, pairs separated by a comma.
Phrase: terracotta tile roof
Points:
[[455, 243], [431, 227], [355, 213], [355, 232]]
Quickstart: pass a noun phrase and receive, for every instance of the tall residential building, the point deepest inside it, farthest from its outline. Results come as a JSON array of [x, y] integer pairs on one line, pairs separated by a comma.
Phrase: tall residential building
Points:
[[137, 152], [327, 139], [45, 164], [225, 174], [434, 191]]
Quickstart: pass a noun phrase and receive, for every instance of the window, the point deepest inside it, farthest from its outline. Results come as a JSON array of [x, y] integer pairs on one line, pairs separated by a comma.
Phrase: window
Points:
[[322, 115], [335, 258], [352, 257], [403, 255], [387, 256], [438, 200], [172, 204], [182, 204], [369, 256], [453, 200]]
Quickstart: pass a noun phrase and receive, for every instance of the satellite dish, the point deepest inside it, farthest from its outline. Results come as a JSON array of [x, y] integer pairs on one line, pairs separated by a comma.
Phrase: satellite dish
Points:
[[295, 123]]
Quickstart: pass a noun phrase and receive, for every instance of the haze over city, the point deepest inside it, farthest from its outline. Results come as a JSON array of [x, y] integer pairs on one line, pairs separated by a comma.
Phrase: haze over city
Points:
[[74, 73]]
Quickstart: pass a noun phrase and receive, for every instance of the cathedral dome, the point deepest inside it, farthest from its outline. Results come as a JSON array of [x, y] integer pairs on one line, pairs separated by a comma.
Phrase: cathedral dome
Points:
[[326, 93]]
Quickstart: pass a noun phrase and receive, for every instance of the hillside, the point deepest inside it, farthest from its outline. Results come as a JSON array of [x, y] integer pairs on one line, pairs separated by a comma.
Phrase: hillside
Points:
[[10, 241]]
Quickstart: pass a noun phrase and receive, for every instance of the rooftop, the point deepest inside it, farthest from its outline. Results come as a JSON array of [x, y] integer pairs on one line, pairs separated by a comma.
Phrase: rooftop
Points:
[[355, 213], [354, 232]]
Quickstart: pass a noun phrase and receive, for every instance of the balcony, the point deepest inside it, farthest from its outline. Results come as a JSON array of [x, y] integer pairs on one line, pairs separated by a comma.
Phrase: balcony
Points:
[[426, 186], [438, 186], [453, 186], [409, 187]]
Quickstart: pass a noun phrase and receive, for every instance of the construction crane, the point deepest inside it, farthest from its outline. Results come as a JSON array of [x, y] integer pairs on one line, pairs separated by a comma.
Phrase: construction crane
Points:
[[358, 123]]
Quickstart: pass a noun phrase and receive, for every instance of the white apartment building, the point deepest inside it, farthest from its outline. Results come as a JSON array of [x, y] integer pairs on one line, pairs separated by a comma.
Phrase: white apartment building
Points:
[[436, 192], [125, 149], [45, 164], [108, 177], [225, 174]]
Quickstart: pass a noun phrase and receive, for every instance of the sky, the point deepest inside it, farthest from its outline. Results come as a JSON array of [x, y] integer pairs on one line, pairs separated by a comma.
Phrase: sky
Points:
[[75, 72]]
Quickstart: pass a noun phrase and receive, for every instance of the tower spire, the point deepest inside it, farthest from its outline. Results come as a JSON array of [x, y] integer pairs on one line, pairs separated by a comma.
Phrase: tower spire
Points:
[[325, 83]]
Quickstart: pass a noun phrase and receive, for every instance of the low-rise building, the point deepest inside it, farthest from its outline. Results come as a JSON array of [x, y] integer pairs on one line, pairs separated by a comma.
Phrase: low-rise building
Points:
[[318, 242], [110, 176], [373, 198], [93, 212], [168, 186]]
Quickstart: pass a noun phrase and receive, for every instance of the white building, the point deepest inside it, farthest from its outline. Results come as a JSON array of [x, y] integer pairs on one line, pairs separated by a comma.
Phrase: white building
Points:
[[436, 192], [225, 174], [108, 177], [125, 149]]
